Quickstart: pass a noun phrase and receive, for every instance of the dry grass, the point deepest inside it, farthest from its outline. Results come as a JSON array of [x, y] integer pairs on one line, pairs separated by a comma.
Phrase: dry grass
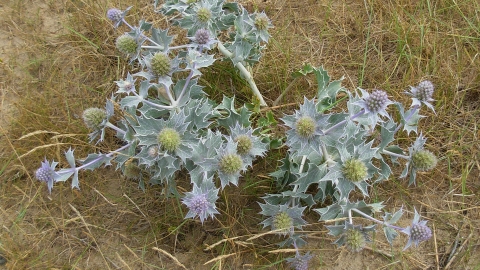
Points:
[[58, 58]]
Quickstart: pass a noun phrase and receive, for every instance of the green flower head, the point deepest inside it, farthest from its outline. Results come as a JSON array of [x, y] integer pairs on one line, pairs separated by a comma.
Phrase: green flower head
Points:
[[169, 139], [355, 170]]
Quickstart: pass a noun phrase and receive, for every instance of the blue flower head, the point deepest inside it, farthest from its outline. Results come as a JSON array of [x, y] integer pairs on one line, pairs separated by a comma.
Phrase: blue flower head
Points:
[[418, 231], [422, 93], [374, 104], [46, 173], [201, 201], [300, 262]]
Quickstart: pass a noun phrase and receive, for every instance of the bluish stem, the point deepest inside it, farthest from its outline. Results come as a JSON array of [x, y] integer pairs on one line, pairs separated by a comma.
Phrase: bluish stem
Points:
[[414, 109], [360, 113], [395, 154], [112, 126], [400, 229], [147, 38], [153, 104]]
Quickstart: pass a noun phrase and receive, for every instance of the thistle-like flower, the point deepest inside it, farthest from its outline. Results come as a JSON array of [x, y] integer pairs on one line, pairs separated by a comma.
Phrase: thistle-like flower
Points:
[[202, 36], [46, 173], [300, 262], [422, 93], [355, 240], [374, 104], [160, 64], [283, 217], [126, 44], [249, 146], [424, 160], [418, 232], [355, 170], [305, 132], [114, 14], [201, 201], [262, 22], [204, 14], [94, 118]]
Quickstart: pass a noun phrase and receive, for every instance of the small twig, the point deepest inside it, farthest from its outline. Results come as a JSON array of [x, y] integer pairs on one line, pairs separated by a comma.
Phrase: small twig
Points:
[[90, 233], [452, 258], [436, 247], [175, 260], [221, 257], [290, 86]]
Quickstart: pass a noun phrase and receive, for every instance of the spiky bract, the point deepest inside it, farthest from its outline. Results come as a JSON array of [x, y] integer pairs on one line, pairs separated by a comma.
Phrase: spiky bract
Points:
[[283, 217], [201, 200], [418, 231]]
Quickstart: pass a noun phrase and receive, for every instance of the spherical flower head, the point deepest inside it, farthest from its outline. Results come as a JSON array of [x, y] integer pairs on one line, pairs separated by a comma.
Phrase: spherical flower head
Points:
[[44, 173], [300, 262], [94, 118], [355, 170], [126, 44], [354, 240], [244, 144], [204, 14], [114, 14], [161, 64], [424, 91], [305, 127], [283, 222], [230, 164], [377, 101], [198, 204], [201, 201], [261, 22], [424, 160], [202, 36], [169, 139], [420, 232]]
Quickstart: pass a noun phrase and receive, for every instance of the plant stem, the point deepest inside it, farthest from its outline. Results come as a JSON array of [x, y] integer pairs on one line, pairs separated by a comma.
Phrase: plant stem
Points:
[[244, 73], [112, 126], [395, 154], [360, 113], [400, 229], [414, 109], [147, 38]]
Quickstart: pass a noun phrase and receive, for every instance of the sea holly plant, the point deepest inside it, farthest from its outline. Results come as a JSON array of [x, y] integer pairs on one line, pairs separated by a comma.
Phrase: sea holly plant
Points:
[[334, 155], [339, 142]]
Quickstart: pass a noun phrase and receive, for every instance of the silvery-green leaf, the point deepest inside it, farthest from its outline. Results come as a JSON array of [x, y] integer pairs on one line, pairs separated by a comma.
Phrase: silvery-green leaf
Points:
[[70, 158], [390, 234], [162, 38], [94, 161]]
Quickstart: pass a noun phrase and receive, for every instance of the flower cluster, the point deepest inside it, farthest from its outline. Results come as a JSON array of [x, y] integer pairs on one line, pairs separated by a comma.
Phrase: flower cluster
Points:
[[169, 125]]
